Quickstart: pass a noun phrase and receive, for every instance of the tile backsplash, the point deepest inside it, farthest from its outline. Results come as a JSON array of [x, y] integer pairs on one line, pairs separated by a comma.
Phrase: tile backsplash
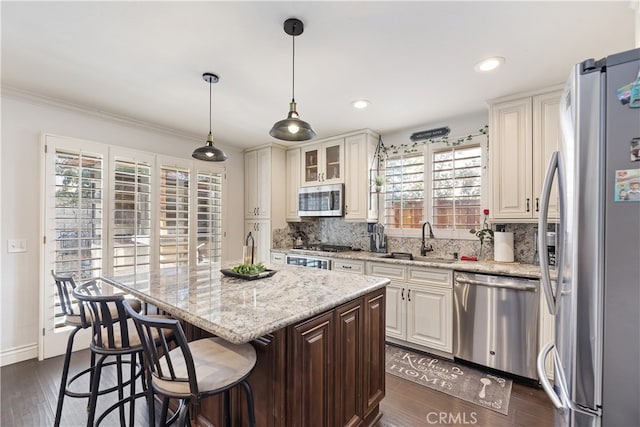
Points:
[[338, 231]]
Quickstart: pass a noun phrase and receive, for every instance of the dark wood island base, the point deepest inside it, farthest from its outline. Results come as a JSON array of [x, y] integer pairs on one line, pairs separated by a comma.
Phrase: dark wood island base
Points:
[[328, 370]]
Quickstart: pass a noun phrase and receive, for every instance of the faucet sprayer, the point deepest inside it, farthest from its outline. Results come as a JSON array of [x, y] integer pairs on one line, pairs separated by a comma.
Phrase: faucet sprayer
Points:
[[423, 247]]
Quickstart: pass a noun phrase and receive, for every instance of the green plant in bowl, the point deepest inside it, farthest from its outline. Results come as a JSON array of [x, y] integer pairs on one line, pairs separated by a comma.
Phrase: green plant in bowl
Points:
[[249, 269]]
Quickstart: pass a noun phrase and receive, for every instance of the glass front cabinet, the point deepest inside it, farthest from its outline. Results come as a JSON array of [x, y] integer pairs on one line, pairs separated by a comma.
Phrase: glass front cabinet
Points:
[[323, 163]]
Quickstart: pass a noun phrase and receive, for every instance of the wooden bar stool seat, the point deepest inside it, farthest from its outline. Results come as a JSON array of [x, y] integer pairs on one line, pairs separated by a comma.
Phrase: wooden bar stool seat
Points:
[[191, 371]]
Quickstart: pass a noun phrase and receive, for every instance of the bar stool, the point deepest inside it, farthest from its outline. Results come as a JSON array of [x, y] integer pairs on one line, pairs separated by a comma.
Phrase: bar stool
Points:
[[192, 371], [75, 316], [113, 334]]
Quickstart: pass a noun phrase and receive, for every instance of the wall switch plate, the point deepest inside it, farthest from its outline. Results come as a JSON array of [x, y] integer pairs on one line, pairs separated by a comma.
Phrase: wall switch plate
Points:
[[16, 245]]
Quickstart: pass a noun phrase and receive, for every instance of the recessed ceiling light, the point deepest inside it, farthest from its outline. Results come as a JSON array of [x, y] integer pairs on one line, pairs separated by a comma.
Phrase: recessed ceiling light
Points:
[[489, 64], [360, 103]]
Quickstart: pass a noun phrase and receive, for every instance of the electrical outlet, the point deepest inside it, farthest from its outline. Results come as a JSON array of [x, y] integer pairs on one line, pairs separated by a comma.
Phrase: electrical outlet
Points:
[[16, 245]]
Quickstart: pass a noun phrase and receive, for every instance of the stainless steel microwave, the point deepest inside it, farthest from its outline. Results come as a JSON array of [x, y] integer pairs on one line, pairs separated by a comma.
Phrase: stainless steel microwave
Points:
[[321, 200]]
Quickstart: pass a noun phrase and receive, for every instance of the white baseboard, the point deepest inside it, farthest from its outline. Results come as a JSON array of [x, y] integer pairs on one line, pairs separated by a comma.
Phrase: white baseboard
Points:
[[18, 354]]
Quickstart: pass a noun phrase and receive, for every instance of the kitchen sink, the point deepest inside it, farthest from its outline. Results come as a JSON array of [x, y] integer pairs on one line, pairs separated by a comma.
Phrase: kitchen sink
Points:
[[410, 257], [398, 255]]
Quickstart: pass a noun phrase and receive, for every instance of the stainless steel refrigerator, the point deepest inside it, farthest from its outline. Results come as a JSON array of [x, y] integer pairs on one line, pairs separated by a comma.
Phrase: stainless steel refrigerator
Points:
[[596, 297]]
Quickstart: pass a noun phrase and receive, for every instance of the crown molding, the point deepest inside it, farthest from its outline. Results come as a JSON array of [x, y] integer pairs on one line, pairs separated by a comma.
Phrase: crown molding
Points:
[[39, 99]]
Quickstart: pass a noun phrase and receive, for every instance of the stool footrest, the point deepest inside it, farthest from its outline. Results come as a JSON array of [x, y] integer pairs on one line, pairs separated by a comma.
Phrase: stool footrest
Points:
[[75, 394]]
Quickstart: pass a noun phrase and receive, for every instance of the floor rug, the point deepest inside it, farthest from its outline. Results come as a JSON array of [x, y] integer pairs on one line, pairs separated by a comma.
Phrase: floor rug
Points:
[[483, 389]]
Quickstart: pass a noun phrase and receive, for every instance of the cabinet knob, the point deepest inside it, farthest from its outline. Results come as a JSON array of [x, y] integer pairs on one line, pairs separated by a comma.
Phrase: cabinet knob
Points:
[[408, 294], [402, 294], [537, 204], [348, 267], [528, 209]]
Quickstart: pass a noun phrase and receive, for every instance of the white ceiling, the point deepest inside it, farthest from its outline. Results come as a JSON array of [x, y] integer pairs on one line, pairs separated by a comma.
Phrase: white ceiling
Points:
[[413, 60]]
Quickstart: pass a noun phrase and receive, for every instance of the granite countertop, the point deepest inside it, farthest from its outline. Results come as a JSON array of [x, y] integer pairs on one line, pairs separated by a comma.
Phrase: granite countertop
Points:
[[240, 311], [485, 267]]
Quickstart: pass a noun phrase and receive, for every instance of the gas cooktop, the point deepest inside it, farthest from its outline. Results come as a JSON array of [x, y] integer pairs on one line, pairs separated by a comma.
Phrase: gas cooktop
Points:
[[324, 247]]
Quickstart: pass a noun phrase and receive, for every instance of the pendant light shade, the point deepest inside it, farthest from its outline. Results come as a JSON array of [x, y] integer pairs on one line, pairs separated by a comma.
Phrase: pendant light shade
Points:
[[209, 152], [292, 128]]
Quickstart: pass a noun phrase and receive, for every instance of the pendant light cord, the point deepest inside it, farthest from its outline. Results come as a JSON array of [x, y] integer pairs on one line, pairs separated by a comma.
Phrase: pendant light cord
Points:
[[209, 104], [293, 70]]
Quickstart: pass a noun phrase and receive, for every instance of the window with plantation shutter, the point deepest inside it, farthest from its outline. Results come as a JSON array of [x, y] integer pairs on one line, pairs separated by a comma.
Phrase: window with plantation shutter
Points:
[[209, 222], [77, 218], [174, 217], [404, 191], [456, 188], [441, 182], [78, 214], [131, 229]]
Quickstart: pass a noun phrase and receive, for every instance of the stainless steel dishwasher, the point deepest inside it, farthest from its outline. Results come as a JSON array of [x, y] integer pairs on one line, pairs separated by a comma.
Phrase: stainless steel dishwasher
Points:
[[495, 322]]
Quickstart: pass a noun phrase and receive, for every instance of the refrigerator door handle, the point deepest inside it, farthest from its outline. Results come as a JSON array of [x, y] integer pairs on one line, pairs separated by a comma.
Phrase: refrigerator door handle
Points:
[[545, 276], [544, 381]]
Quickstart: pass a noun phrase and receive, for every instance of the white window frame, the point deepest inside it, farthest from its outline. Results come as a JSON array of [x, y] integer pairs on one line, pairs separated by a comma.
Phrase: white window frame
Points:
[[428, 150]]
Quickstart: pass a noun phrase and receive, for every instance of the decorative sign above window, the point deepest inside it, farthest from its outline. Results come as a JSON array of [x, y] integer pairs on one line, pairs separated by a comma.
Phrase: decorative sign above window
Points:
[[385, 151], [431, 133]]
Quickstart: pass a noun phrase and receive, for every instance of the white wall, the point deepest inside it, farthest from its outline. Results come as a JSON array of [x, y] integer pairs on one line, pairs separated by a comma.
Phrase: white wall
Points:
[[23, 122], [635, 5]]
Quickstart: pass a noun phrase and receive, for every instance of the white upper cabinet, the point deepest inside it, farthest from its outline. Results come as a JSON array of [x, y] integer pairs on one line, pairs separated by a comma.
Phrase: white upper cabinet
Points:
[[523, 134], [360, 203], [264, 198], [323, 163], [257, 184], [346, 159], [546, 140]]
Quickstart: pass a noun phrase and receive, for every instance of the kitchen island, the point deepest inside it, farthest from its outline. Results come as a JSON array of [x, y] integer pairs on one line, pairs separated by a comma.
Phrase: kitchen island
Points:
[[318, 334]]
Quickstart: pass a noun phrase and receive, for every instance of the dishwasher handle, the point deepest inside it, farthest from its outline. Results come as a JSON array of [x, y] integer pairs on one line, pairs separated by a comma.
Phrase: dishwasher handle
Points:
[[506, 285]]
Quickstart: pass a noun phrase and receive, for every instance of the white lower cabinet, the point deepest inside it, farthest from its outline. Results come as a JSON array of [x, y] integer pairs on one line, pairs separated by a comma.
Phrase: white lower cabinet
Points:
[[348, 266], [429, 321], [419, 305], [396, 311], [278, 257]]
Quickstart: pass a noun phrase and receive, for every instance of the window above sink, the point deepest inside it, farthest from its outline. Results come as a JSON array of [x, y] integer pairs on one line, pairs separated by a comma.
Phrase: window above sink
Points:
[[444, 183]]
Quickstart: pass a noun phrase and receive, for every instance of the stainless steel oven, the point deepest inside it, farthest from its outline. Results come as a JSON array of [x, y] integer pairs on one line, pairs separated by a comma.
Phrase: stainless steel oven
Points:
[[308, 261]]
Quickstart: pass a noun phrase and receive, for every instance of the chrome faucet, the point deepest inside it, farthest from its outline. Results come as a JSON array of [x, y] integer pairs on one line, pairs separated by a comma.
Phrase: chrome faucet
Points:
[[423, 248]]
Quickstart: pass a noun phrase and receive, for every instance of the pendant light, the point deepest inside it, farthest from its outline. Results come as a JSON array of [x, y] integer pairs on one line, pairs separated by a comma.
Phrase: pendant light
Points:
[[292, 128], [209, 152]]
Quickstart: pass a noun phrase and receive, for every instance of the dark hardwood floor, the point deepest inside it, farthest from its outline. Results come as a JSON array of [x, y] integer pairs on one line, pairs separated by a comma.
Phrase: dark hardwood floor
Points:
[[29, 393], [409, 404]]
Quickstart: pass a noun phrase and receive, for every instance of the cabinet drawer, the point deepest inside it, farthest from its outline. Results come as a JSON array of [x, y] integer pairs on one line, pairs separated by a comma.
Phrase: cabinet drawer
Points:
[[277, 258], [431, 276], [349, 266], [387, 270]]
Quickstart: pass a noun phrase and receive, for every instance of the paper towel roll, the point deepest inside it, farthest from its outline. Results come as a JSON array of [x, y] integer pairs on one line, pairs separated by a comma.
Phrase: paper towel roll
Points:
[[503, 246]]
